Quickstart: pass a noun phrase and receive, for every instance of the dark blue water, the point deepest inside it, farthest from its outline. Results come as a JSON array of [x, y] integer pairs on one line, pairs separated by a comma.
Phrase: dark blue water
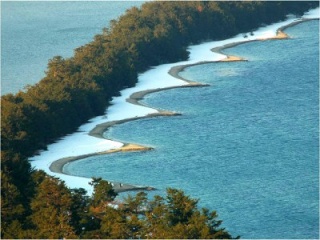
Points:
[[246, 146]]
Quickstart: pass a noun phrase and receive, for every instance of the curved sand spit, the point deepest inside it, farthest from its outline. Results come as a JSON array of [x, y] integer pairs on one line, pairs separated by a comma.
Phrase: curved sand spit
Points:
[[98, 130]]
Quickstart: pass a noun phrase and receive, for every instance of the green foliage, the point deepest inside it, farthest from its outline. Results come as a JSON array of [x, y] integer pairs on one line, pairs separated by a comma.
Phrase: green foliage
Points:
[[114, 225], [138, 217], [17, 190], [51, 210], [81, 86], [177, 216], [103, 192], [12, 208], [78, 88]]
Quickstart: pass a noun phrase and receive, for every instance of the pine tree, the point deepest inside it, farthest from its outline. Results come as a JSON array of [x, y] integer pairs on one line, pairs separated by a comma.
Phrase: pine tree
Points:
[[52, 210], [103, 192]]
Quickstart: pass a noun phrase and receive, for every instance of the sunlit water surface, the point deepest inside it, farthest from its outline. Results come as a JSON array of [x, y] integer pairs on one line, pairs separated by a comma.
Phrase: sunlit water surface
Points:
[[246, 146]]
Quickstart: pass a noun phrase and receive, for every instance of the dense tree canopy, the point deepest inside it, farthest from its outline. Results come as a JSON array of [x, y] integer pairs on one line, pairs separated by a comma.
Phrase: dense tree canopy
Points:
[[81, 87]]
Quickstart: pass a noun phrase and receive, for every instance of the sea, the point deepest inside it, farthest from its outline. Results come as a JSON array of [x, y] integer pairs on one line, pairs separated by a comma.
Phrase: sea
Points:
[[32, 32], [246, 146]]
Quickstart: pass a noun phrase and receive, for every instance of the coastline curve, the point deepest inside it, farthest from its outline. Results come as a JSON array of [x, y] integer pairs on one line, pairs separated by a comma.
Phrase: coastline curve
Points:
[[57, 165]]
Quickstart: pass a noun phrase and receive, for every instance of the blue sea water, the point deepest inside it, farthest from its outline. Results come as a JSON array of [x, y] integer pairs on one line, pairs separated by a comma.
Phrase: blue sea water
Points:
[[246, 146], [32, 32]]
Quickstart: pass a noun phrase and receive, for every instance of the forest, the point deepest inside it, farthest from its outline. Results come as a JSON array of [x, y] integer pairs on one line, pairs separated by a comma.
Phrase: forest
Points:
[[75, 89]]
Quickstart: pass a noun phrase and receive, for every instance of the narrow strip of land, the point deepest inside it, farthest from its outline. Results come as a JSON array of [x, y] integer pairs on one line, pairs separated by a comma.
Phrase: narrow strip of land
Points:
[[135, 98], [57, 166]]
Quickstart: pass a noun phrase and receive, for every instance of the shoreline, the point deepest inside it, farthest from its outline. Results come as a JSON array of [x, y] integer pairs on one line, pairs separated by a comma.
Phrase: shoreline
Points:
[[57, 165], [100, 129], [175, 70]]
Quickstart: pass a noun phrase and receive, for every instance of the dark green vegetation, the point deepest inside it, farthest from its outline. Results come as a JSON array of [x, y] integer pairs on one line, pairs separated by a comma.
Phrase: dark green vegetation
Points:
[[62, 213], [34, 205]]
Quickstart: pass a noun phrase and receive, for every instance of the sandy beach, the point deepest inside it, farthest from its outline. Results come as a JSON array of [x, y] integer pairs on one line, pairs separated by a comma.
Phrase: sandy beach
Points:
[[135, 98], [57, 166]]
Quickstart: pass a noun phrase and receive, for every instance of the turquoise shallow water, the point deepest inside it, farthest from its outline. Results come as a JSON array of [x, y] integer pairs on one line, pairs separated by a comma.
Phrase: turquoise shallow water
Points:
[[246, 146], [32, 32]]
